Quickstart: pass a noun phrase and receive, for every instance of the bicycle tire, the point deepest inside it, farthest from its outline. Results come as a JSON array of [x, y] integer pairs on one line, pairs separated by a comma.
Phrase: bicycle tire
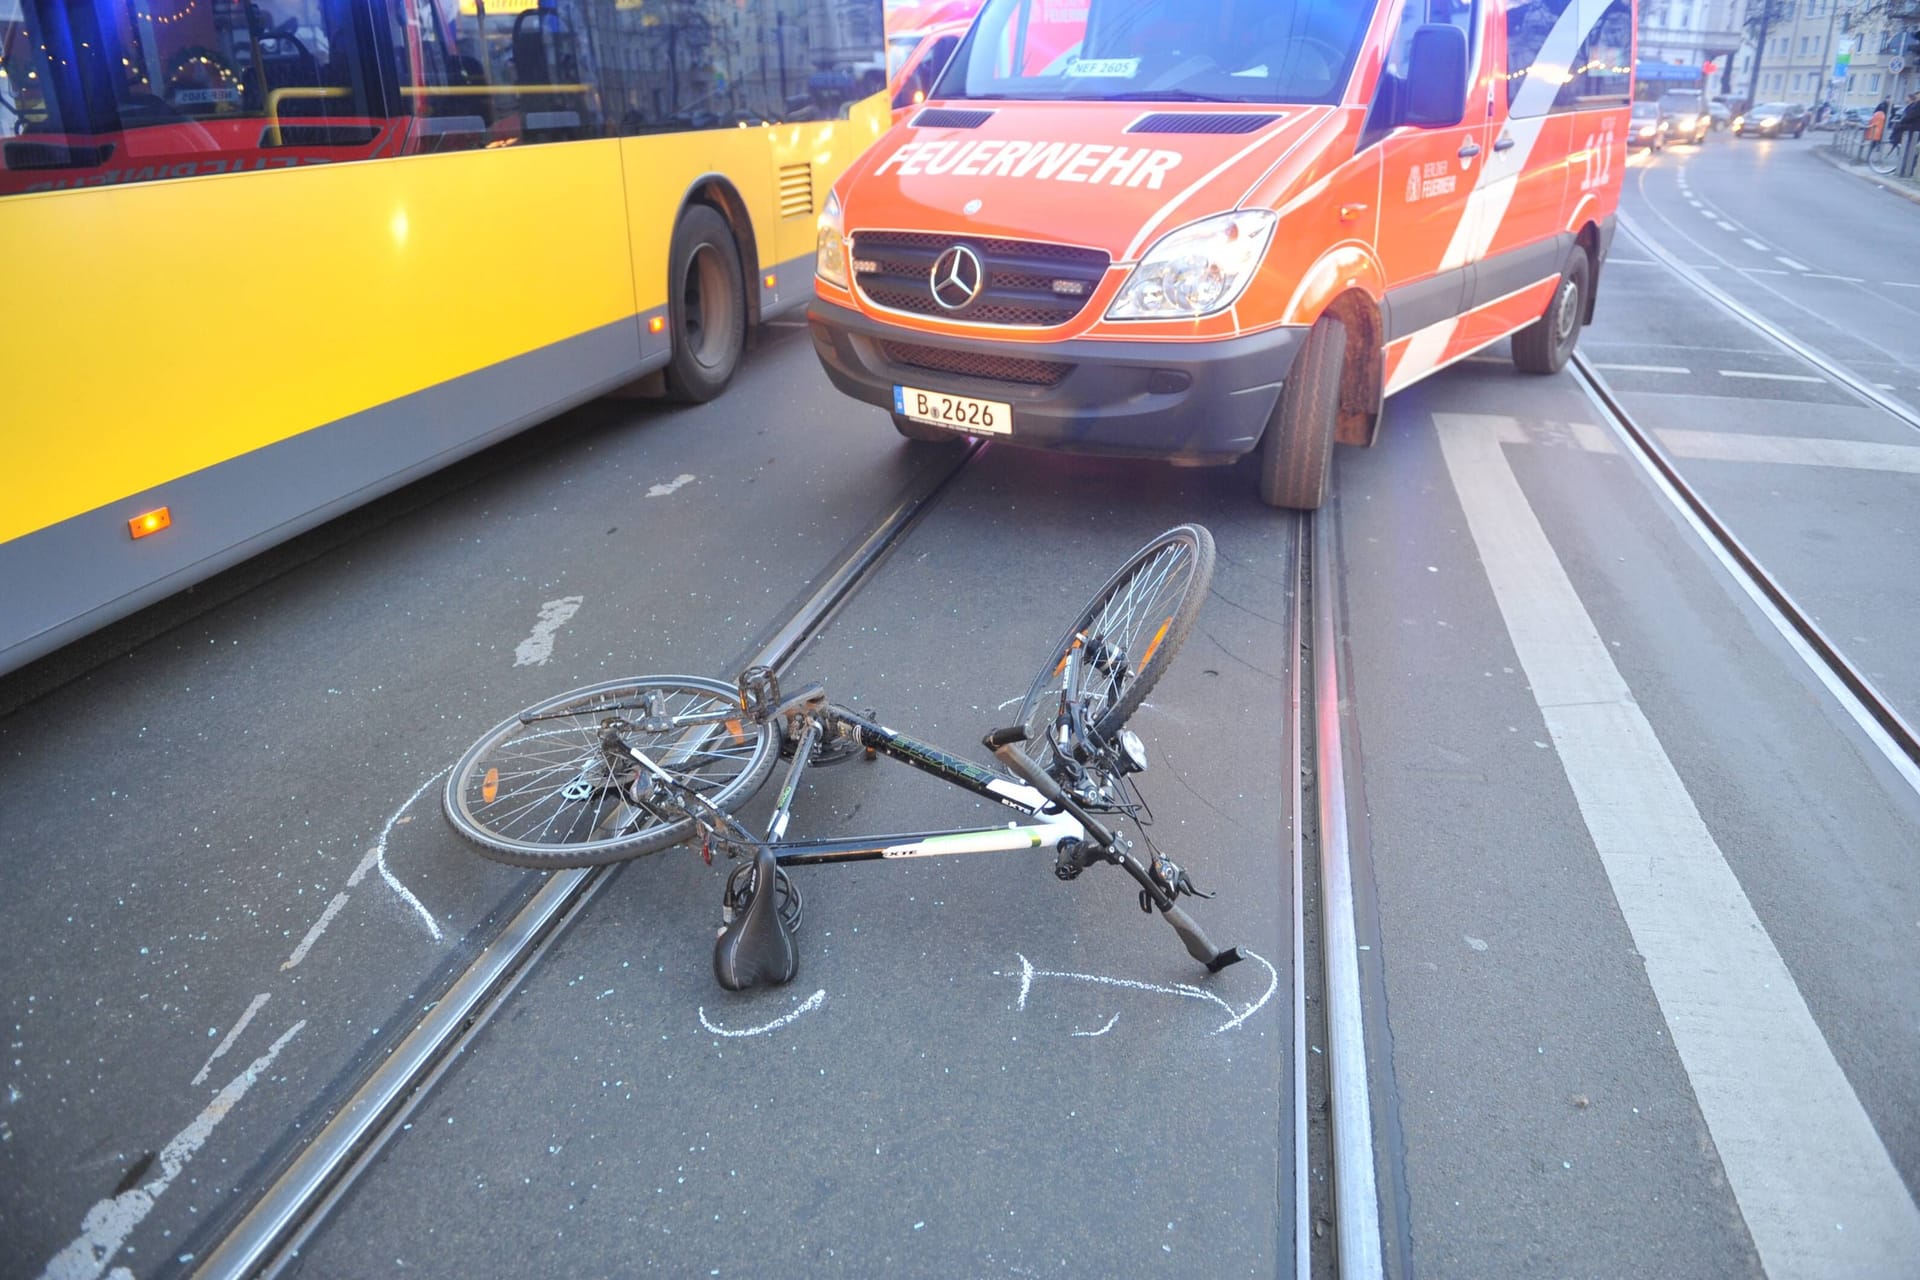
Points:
[[1884, 158], [1176, 572], [537, 824]]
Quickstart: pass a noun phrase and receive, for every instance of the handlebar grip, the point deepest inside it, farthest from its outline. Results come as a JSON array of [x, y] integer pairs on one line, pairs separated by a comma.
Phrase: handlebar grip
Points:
[[1005, 737]]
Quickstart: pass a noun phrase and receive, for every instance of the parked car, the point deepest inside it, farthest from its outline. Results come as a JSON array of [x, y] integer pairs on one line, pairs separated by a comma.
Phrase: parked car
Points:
[[1688, 119], [1646, 127], [1773, 120]]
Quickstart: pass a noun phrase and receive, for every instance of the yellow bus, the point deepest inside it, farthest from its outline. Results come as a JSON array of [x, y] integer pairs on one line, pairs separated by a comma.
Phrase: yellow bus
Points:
[[268, 259]]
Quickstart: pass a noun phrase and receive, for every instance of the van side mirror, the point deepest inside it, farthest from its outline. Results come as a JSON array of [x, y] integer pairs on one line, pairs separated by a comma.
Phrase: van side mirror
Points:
[[1437, 76]]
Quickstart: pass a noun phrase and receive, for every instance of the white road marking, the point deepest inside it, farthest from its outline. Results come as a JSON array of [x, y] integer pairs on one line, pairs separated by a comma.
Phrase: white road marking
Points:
[[1801, 451], [554, 614], [108, 1224], [313, 934], [1643, 368], [1706, 213], [1812, 1178], [812, 1002], [1727, 226], [662, 490], [1790, 264], [1693, 202], [1826, 275], [1770, 377], [1631, 262], [232, 1035], [1751, 243]]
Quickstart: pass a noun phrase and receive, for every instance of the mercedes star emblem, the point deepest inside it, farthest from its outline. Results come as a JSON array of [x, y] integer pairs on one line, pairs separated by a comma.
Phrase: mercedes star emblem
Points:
[[956, 277]]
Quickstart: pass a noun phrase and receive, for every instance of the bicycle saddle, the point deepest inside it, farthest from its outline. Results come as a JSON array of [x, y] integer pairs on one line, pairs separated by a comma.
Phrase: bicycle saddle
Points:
[[756, 947]]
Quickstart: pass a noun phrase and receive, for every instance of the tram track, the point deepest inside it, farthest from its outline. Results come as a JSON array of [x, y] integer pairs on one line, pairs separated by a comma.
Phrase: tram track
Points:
[[1895, 738], [316, 1177]]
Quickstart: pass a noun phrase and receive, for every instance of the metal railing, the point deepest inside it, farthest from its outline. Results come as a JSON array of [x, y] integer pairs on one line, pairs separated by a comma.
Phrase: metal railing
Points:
[[1850, 141]]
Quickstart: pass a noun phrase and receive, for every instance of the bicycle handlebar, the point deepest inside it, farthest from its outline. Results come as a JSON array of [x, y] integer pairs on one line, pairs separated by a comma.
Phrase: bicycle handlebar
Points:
[[1004, 738]]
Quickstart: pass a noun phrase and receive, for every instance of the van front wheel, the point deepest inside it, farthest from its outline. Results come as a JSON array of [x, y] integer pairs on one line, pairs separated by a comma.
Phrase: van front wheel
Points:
[[1296, 456], [1546, 345]]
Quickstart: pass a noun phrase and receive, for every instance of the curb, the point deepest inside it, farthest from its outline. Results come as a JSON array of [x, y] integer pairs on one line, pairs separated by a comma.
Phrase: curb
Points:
[[1901, 189]]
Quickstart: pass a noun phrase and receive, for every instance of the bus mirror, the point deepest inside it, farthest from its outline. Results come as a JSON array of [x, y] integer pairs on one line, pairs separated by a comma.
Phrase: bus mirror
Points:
[[1437, 76]]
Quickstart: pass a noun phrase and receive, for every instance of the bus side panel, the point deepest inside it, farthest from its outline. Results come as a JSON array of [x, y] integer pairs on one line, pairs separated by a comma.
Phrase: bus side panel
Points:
[[245, 310]]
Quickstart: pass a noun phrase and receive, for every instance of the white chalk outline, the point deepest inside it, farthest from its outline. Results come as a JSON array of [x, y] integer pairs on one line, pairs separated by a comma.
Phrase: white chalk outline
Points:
[[1102, 1031], [812, 1002], [1186, 990]]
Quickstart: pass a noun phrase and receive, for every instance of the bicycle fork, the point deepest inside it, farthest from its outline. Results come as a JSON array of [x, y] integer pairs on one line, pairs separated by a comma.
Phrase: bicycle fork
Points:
[[1004, 743]]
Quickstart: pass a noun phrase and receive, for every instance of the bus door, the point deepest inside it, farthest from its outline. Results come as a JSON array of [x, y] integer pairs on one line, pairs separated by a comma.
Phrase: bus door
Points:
[[1427, 174]]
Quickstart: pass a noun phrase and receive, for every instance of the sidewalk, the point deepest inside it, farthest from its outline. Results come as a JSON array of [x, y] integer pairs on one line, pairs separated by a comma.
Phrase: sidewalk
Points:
[[1905, 188]]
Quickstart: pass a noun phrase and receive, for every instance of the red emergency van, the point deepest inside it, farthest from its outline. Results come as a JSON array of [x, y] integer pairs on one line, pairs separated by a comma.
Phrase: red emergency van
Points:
[[1195, 228]]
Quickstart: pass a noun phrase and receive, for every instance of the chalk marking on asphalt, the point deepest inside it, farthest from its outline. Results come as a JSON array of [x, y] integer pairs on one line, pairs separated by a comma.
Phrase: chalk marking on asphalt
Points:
[[1643, 368], [1812, 1178], [108, 1224], [1184, 990], [379, 855], [678, 482], [812, 1002], [1102, 1031], [537, 648], [1770, 377], [226, 1044], [1789, 263], [1751, 243]]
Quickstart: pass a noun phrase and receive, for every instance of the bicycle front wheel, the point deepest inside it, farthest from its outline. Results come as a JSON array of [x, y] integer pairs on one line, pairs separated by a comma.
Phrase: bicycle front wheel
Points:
[[1127, 636], [1883, 158], [537, 790]]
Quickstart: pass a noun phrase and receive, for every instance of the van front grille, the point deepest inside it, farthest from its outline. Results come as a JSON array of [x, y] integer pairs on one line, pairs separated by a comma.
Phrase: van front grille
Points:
[[1023, 282]]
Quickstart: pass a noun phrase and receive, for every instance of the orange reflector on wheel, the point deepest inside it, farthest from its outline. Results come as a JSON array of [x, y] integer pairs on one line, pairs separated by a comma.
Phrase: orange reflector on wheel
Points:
[[1158, 636], [490, 786], [735, 728]]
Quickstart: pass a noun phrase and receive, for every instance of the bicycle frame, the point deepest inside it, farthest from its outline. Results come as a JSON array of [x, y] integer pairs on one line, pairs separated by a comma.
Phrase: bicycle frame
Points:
[[1048, 833]]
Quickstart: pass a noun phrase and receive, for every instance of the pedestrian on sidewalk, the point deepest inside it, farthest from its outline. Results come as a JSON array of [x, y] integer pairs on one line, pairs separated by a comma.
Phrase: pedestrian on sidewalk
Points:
[[1908, 120], [1876, 128]]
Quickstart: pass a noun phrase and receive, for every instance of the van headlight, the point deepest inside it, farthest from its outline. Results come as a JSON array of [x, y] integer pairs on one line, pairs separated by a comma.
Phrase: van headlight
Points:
[[1197, 270], [830, 245]]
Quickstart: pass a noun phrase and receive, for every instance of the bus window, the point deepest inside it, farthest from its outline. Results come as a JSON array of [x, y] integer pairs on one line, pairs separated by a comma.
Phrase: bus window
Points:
[[102, 92]]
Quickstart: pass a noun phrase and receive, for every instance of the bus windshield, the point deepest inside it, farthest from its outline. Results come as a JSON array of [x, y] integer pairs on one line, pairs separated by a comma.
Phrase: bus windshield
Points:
[[1297, 51]]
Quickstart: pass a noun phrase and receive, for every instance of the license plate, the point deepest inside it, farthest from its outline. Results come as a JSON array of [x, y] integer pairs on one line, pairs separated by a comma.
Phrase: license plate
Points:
[[962, 413]]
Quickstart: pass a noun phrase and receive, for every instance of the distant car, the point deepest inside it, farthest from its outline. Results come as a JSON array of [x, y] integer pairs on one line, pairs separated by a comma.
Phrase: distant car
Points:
[[1688, 119], [1720, 113], [1773, 120], [1646, 127]]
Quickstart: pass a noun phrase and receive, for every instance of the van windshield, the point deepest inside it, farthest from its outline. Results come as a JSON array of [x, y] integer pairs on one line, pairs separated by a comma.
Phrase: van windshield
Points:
[[1159, 50]]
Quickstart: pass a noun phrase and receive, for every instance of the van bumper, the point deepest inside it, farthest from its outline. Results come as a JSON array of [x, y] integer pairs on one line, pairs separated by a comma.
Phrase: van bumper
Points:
[[1194, 402]]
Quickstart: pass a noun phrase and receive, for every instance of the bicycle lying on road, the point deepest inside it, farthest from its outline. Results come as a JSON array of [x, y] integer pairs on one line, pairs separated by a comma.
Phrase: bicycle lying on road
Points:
[[635, 766]]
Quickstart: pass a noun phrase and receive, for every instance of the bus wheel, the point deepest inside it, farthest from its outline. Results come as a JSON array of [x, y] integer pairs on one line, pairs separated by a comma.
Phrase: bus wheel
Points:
[[1546, 345], [706, 307], [1296, 455]]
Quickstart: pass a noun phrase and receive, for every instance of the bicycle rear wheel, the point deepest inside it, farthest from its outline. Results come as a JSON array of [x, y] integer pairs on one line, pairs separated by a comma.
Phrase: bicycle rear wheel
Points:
[[1128, 635], [1884, 157], [537, 791]]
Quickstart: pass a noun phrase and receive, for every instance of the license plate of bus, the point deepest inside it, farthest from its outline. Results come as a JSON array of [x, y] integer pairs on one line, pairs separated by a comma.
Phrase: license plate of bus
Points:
[[962, 413]]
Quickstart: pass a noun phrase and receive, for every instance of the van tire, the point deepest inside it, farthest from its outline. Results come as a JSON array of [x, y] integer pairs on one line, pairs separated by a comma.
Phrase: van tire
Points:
[[1296, 456], [1547, 344], [706, 306], [921, 433]]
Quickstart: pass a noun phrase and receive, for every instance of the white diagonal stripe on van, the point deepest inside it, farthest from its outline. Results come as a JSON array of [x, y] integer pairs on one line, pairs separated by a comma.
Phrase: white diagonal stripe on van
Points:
[[1146, 233]]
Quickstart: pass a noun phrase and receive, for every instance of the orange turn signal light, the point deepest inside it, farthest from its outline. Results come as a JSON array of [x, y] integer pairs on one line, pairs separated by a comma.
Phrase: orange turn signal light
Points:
[[150, 522], [772, 281], [658, 324]]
